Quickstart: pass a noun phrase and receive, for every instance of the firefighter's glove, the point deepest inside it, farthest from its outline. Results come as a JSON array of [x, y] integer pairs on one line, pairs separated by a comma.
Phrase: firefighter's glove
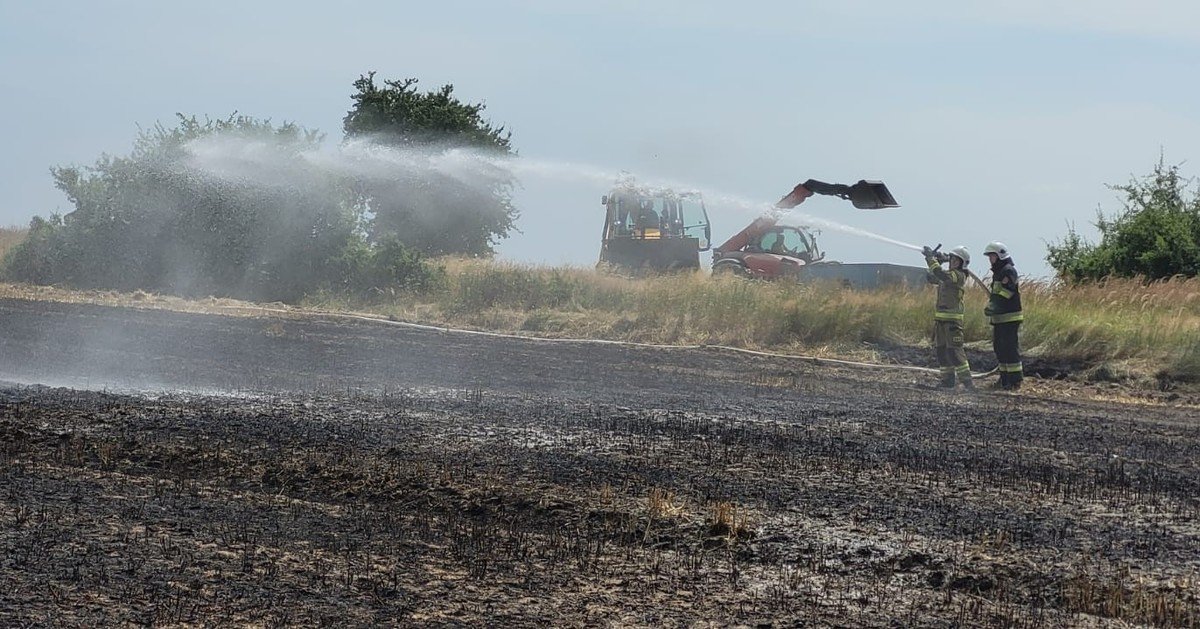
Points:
[[928, 252], [988, 310]]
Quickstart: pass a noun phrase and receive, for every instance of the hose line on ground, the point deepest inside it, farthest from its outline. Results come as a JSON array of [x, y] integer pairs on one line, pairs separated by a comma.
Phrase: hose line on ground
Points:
[[503, 335]]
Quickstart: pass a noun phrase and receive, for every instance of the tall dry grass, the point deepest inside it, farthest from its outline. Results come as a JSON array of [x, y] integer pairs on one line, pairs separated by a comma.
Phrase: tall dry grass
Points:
[[1156, 325], [1119, 318], [687, 308]]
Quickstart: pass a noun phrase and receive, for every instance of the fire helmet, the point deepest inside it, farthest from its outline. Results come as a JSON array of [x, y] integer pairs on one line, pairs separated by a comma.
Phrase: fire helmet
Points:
[[961, 253], [997, 248]]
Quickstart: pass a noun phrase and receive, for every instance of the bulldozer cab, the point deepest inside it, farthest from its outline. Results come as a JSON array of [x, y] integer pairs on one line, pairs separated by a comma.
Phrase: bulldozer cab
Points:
[[641, 213], [654, 228]]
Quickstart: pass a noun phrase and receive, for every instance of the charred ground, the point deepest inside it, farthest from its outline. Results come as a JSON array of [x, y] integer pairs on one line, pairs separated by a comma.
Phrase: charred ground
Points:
[[369, 474]]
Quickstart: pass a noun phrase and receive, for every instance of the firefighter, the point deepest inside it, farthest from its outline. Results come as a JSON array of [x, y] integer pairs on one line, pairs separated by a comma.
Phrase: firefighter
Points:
[[1004, 313], [948, 316]]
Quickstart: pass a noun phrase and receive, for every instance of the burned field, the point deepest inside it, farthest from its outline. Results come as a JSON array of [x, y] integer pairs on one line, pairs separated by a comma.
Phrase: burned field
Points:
[[364, 475]]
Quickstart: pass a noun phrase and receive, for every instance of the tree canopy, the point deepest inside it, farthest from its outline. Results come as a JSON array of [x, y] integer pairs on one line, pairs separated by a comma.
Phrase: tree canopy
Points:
[[431, 211], [399, 114], [1155, 236]]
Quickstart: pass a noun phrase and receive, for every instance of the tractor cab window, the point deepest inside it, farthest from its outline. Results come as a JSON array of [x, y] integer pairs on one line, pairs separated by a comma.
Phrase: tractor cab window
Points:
[[788, 242], [670, 215], [798, 242], [648, 216], [619, 211], [772, 242], [630, 211], [693, 220]]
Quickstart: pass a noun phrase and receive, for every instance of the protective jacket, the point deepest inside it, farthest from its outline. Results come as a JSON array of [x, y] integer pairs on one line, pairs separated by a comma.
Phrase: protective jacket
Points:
[[950, 291], [1004, 304]]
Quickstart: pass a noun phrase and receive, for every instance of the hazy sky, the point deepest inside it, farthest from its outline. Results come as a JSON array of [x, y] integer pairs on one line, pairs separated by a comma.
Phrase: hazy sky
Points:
[[998, 120]]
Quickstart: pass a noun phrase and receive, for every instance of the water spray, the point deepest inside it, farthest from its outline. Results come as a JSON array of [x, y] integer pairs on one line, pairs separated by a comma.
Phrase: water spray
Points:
[[814, 221], [262, 163]]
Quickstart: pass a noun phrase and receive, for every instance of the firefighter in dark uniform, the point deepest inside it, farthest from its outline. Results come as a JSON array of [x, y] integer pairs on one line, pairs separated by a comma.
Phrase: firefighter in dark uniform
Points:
[[948, 316], [1004, 313]]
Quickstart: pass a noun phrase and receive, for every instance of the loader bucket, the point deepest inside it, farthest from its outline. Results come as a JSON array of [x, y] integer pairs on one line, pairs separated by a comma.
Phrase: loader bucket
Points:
[[871, 195]]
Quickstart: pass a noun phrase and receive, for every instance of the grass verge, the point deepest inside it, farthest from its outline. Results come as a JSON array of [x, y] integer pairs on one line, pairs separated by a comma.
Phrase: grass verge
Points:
[[1119, 328], [1112, 331]]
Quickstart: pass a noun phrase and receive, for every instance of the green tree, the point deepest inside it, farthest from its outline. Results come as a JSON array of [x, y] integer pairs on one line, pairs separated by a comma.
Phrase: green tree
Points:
[[1156, 235], [428, 209]]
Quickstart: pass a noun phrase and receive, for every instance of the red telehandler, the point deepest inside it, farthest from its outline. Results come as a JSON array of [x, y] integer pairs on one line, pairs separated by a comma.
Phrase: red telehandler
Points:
[[767, 250]]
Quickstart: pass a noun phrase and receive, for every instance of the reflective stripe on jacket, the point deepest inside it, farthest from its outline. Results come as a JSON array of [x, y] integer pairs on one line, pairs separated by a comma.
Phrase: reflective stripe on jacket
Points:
[[950, 291], [1005, 300]]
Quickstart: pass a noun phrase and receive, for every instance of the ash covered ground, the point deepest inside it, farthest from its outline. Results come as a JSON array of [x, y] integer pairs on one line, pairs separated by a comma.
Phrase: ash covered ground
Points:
[[297, 471]]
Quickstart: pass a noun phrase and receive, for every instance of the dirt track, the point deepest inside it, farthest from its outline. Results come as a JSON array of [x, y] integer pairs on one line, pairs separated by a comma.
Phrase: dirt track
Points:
[[365, 474]]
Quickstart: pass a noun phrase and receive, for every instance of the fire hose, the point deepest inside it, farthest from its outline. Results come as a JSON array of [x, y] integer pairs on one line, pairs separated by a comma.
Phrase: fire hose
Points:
[[447, 330]]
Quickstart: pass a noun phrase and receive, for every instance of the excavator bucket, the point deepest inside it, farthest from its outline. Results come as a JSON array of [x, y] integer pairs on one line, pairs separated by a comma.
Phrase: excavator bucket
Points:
[[865, 195], [871, 195]]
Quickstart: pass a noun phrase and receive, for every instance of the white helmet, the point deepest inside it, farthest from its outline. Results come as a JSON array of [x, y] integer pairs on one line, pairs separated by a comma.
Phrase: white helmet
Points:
[[997, 248], [962, 254]]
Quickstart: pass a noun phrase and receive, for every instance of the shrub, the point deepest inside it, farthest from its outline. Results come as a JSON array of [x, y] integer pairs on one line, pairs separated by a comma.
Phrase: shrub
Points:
[[149, 221], [1156, 236], [386, 266]]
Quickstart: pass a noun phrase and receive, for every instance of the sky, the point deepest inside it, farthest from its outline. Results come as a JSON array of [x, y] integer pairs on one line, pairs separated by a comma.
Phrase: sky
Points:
[[988, 121]]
